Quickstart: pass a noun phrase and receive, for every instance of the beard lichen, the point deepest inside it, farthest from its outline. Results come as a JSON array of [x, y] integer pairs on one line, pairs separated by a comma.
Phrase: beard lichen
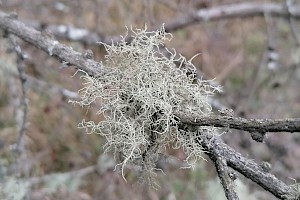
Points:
[[140, 89]]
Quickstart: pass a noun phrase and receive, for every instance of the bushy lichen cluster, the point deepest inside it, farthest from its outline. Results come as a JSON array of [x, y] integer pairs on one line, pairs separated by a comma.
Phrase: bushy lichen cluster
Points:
[[139, 90], [293, 193], [13, 189]]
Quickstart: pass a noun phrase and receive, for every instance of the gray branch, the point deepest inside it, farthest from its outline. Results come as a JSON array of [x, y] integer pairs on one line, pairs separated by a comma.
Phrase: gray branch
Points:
[[245, 166], [23, 110], [223, 171], [251, 125], [241, 10], [42, 41]]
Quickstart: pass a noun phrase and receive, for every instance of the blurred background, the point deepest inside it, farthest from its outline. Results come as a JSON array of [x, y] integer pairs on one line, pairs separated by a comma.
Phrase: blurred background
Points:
[[255, 59]]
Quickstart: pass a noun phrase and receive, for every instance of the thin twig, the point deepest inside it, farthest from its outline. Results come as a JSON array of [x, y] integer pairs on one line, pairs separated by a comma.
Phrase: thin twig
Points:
[[44, 86], [289, 5], [240, 10], [73, 174], [22, 116], [223, 173], [251, 125]]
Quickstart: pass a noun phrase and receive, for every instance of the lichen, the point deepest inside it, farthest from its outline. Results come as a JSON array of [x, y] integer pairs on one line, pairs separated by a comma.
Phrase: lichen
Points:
[[139, 90]]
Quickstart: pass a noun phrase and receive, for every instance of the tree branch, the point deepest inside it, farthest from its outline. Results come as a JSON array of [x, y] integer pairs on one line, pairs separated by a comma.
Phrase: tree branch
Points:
[[72, 174], [22, 111], [240, 10], [52, 47], [251, 125], [223, 173], [245, 166]]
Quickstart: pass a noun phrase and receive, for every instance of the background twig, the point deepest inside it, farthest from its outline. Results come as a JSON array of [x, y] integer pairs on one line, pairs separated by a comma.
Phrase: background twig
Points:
[[21, 116]]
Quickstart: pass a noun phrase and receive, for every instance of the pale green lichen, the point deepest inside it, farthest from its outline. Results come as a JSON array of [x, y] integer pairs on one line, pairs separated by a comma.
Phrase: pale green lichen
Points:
[[293, 193], [13, 189], [139, 90]]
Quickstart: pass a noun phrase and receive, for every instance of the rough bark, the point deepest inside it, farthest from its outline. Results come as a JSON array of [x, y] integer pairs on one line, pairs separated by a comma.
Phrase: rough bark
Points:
[[245, 166], [251, 125], [42, 41]]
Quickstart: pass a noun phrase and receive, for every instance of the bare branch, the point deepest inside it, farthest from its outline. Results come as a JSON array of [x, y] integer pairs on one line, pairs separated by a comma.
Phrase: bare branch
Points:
[[245, 166], [223, 173], [52, 47], [72, 174], [289, 6], [22, 116], [44, 86], [240, 10], [251, 125]]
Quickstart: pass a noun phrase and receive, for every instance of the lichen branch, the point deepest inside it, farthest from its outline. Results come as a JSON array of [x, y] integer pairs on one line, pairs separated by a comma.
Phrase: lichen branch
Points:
[[252, 125]]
